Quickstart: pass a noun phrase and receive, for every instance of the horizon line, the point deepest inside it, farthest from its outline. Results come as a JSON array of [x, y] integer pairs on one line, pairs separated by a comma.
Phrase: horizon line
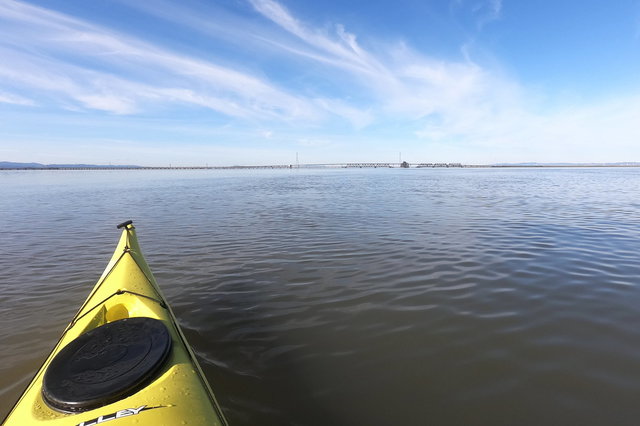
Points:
[[6, 165]]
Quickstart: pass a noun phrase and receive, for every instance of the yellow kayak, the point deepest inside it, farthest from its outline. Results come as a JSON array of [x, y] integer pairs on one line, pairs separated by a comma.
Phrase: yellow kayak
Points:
[[122, 360]]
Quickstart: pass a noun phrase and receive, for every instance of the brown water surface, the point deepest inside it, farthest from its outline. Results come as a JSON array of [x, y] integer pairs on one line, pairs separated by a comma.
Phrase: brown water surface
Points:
[[354, 297]]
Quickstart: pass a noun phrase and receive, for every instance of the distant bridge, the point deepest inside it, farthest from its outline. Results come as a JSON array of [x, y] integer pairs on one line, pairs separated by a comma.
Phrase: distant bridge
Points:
[[276, 166], [369, 165], [421, 165], [379, 165]]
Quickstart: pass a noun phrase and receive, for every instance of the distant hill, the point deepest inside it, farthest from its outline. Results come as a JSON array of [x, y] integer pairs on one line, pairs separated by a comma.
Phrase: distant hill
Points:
[[12, 165]]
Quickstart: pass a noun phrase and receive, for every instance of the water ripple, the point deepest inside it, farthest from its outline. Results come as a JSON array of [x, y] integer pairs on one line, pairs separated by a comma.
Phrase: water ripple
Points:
[[350, 297]]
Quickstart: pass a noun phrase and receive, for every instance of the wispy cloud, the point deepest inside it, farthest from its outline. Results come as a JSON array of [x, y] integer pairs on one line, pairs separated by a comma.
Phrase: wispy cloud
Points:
[[403, 82], [9, 98], [340, 50], [482, 12], [460, 102], [130, 76], [491, 12], [145, 72]]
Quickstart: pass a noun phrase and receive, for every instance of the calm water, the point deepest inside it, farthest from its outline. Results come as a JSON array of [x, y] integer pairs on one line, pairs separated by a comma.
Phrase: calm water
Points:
[[354, 297]]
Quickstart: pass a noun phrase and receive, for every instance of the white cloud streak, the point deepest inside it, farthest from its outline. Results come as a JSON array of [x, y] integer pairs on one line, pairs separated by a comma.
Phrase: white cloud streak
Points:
[[404, 83], [342, 51], [8, 98], [482, 11], [489, 12], [176, 77], [463, 103]]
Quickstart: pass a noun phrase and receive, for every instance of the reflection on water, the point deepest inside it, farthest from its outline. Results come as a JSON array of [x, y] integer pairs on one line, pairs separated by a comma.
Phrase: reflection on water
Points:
[[354, 297]]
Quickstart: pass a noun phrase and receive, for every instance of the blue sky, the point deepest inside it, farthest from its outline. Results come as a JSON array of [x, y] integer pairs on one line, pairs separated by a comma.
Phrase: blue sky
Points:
[[257, 81]]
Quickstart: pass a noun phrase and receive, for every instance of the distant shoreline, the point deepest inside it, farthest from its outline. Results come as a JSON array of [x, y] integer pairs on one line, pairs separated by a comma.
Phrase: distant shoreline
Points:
[[36, 166]]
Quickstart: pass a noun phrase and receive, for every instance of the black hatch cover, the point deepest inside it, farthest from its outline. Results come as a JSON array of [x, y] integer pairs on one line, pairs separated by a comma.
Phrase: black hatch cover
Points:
[[106, 364]]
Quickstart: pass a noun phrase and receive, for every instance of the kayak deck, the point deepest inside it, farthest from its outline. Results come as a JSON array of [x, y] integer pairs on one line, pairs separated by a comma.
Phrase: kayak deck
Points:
[[176, 393]]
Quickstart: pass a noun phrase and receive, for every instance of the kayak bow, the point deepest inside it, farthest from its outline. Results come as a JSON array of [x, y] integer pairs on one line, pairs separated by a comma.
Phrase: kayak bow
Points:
[[122, 358]]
